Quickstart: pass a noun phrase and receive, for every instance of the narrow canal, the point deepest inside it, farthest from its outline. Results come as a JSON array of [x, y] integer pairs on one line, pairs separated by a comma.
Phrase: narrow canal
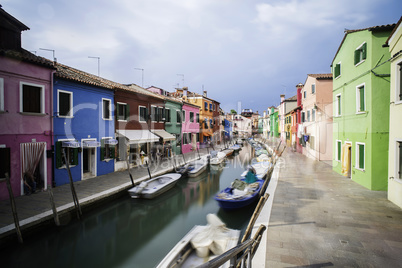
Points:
[[134, 232]]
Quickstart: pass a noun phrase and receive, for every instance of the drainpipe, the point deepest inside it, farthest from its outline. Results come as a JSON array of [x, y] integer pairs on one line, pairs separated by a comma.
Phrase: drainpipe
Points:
[[51, 126]]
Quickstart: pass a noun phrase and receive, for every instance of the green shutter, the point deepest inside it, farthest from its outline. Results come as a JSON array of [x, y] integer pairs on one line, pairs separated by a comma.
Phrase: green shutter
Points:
[[361, 156], [357, 56], [337, 70], [112, 151], [127, 115], [339, 145], [74, 161], [102, 150], [362, 104], [400, 161], [339, 106], [364, 51], [59, 162]]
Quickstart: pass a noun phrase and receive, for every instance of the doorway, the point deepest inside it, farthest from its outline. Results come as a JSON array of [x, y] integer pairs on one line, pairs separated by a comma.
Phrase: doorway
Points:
[[88, 163], [347, 159]]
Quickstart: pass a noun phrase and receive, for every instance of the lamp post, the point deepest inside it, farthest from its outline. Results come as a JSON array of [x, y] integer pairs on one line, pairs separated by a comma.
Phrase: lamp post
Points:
[[98, 63], [142, 80]]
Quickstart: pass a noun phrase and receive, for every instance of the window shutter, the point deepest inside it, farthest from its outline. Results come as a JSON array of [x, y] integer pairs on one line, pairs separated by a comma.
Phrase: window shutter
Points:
[[339, 150], [364, 51], [127, 115], [337, 70], [75, 157], [112, 151], [400, 161], [357, 56], [102, 150], [59, 162], [361, 156], [361, 91]]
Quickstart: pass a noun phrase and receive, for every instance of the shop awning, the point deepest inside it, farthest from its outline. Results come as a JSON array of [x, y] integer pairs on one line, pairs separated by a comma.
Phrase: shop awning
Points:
[[166, 136], [71, 144], [111, 141], [138, 136], [90, 144]]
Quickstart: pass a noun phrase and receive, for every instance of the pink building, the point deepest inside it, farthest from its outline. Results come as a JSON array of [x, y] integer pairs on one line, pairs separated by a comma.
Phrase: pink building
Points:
[[25, 111], [190, 128]]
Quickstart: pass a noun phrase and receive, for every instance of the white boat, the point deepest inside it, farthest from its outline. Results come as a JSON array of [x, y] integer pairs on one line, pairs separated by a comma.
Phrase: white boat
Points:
[[196, 167], [239, 141], [217, 158], [200, 245], [228, 152], [156, 186], [235, 147], [260, 168]]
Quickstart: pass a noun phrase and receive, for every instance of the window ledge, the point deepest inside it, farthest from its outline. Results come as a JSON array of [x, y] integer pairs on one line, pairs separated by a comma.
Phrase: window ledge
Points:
[[32, 114], [357, 64], [337, 77], [362, 112], [362, 170], [398, 102], [121, 120], [60, 116], [107, 119]]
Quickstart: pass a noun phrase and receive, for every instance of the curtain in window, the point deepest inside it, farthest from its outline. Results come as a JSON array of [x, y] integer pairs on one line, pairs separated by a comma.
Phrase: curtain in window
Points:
[[31, 154]]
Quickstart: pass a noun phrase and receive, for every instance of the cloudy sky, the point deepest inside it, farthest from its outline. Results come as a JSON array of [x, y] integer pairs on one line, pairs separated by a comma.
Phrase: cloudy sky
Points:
[[244, 53]]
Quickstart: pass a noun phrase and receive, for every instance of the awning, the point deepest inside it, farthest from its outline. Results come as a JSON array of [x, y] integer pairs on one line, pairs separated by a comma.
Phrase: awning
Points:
[[138, 136], [166, 136], [90, 144], [111, 141], [206, 134], [71, 144]]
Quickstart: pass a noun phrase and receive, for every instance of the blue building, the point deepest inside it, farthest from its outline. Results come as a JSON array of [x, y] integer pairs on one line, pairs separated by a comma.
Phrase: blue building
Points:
[[84, 125], [228, 127]]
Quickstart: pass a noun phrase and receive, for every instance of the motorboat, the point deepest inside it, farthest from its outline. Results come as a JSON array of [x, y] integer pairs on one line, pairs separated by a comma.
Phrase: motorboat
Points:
[[260, 169], [196, 167], [228, 152], [217, 158], [154, 187], [201, 244], [235, 147]]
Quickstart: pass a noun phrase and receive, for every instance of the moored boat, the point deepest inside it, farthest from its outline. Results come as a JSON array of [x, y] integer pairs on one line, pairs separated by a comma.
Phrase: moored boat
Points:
[[217, 158], [156, 186], [201, 244], [196, 167], [235, 147], [260, 169], [228, 152]]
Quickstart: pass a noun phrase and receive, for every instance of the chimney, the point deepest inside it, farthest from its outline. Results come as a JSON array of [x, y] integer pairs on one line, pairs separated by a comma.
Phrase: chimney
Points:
[[299, 88], [204, 93], [282, 98], [185, 89]]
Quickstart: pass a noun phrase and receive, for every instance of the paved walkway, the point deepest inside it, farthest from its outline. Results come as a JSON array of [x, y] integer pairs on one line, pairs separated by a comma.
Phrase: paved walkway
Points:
[[36, 208], [318, 218]]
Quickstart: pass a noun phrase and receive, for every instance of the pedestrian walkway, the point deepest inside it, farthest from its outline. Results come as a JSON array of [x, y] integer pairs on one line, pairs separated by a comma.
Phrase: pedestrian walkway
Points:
[[319, 218], [35, 209]]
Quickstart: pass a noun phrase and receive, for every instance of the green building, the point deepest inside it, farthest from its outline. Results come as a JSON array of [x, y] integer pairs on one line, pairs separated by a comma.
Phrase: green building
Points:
[[361, 99], [274, 123], [172, 124]]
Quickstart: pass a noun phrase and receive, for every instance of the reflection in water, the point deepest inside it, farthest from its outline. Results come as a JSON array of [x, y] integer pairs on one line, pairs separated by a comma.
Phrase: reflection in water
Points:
[[134, 232]]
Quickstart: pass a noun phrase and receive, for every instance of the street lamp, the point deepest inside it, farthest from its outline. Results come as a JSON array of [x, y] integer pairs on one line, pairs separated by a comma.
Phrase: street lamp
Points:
[[142, 70], [98, 63]]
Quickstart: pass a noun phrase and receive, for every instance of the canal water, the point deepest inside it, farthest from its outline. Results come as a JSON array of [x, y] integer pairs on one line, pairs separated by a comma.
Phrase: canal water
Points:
[[134, 232]]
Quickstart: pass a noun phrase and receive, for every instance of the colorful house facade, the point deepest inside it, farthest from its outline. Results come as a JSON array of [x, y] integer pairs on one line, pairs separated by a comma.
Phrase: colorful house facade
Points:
[[190, 127], [274, 119], [394, 43], [173, 124], [25, 111], [83, 125], [361, 98]]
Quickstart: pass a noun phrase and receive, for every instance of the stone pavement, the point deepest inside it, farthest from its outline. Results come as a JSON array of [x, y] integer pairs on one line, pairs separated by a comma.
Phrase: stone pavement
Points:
[[35, 209], [318, 218]]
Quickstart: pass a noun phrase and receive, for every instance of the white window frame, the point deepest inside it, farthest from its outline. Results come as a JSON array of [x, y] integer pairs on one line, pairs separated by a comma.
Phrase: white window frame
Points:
[[183, 115], [313, 86], [179, 112], [357, 156], [398, 78], [117, 112], [396, 176], [71, 112], [363, 60], [358, 98], [152, 113], [337, 152], [42, 97], [338, 110], [304, 94], [1, 94], [308, 115], [139, 113], [340, 70], [110, 109], [166, 117]]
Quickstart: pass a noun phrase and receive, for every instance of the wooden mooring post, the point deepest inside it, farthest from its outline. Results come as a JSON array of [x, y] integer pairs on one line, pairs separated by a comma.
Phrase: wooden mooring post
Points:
[[256, 213], [14, 209], [128, 169], [75, 198], [53, 205]]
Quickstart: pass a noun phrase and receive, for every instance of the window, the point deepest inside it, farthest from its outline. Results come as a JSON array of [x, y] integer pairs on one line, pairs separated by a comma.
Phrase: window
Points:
[[154, 113], [197, 136], [5, 162], [143, 114], [161, 114], [360, 155], [186, 138], [184, 116], [167, 115], [71, 155], [303, 117], [312, 88], [1, 94], [338, 105], [312, 142], [398, 160], [360, 99], [337, 70], [308, 116], [122, 111], [65, 103], [32, 98], [178, 117], [205, 123], [338, 150], [398, 85], [313, 115], [360, 53], [210, 106], [206, 106], [304, 94], [106, 114], [214, 107], [107, 151], [191, 116], [197, 118]]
